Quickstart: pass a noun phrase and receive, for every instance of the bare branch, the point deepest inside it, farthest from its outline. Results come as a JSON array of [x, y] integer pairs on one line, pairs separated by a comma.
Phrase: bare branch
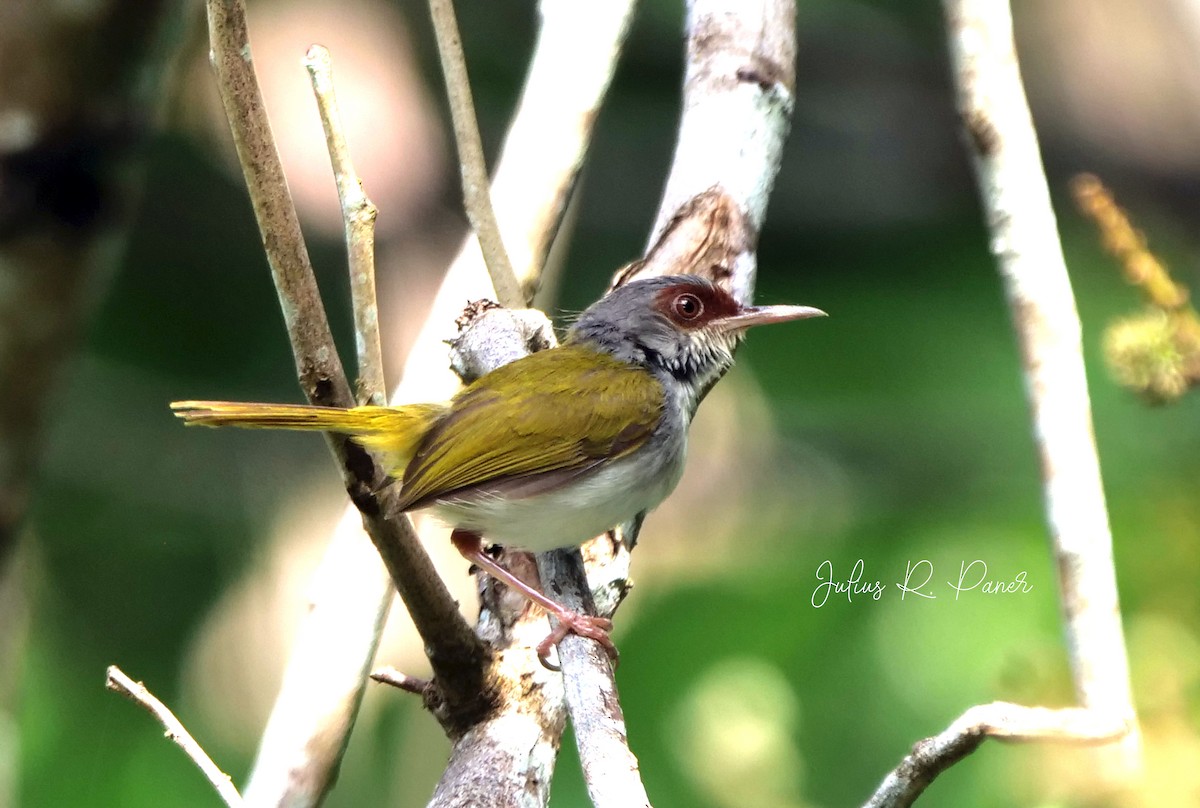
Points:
[[737, 108], [457, 655], [610, 769], [1025, 241], [1029, 256], [539, 164], [388, 675], [317, 362], [315, 710], [358, 213], [118, 682], [998, 720], [737, 103], [477, 198], [318, 700]]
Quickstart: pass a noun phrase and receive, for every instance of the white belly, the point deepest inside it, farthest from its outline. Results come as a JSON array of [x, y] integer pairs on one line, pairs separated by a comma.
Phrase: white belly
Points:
[[578, 511]]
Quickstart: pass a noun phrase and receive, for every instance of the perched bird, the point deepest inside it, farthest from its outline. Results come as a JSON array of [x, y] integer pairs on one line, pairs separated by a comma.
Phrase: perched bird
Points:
[[559, 446]]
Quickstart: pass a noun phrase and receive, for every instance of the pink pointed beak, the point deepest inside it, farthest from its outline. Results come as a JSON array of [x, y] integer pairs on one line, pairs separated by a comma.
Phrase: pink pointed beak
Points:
[[764, 315]]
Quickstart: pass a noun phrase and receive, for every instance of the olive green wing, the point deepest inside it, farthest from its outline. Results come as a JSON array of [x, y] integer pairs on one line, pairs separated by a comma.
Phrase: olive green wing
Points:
[[559, 410]]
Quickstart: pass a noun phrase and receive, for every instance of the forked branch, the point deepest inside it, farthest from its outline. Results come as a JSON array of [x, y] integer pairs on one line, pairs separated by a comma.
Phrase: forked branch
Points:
[[317, 704], [457, 655]]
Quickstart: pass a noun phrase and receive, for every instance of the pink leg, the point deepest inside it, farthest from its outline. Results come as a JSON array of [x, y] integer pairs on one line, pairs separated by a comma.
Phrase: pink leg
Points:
[[470, 545]]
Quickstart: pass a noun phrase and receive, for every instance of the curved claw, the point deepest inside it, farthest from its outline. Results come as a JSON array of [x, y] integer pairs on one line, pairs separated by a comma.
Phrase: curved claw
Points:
[[585, 625]]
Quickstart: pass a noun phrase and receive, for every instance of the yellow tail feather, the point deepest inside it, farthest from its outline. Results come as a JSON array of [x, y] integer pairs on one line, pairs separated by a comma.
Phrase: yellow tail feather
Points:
[[394, 432]]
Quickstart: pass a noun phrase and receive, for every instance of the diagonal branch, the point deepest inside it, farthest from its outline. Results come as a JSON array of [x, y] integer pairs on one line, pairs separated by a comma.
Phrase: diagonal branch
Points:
[[477, 197], [116, 681], [456, 654], [358, 215]]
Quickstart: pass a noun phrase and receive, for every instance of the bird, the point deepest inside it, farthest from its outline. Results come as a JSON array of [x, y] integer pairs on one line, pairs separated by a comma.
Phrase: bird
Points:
[[559, 446]]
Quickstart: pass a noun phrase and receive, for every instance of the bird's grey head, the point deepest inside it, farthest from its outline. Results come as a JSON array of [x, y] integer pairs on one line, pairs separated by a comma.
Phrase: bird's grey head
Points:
[[660, 323], [678, 326]]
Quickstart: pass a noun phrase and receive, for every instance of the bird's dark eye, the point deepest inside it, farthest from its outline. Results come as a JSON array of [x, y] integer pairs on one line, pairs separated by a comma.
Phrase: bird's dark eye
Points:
[[688, 307]]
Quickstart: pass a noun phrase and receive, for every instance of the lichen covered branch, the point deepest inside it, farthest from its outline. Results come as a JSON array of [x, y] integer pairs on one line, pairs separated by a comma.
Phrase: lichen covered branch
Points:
[[1024, 239], [509, 757], [737, 102]]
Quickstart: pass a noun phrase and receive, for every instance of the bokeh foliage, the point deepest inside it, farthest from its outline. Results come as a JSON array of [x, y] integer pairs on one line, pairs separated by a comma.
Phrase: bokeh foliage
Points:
[[901, 434]]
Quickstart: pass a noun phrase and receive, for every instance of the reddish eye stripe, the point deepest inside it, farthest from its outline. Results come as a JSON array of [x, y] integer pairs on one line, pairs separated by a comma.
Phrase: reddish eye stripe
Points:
[[715, 304]]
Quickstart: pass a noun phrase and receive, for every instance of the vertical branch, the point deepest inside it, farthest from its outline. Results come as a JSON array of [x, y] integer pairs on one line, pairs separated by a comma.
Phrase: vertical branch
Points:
[[477, 198], [610, 768], [508, 758], [1024, 239], [1029, 256], [315, 710], [358, 214], [737, 103]]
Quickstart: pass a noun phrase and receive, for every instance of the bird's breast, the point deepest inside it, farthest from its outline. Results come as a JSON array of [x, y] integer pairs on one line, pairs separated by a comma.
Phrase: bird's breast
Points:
[[576, 508]]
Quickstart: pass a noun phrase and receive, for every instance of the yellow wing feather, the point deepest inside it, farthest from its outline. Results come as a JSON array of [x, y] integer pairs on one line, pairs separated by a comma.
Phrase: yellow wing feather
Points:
[[539, 414], [562, 409]]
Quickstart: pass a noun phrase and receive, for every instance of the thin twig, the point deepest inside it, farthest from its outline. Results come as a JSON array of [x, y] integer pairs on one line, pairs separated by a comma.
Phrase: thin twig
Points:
[[389, 675], [317, 362], [539, 165], [477, 198], [358, 213], [118, 682], [315, 709], [998, 720]]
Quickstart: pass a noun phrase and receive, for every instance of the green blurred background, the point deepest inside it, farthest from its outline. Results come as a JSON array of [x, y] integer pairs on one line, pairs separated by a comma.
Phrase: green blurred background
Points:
[[893, 432]]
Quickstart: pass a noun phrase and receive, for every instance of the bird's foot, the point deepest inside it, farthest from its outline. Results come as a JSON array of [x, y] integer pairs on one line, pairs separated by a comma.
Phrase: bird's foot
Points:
[[470, 545], [585, 625]]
